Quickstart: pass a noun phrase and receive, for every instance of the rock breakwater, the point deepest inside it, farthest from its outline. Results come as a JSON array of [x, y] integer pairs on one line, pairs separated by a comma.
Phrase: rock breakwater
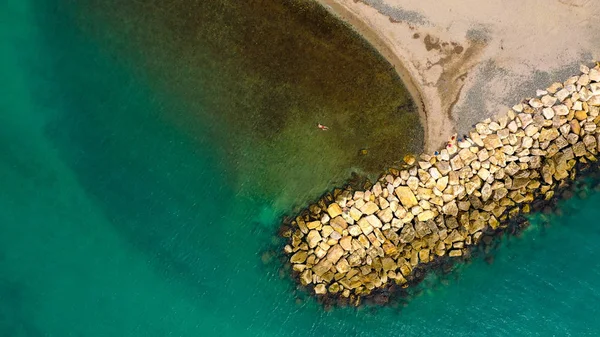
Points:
[[352, 243]]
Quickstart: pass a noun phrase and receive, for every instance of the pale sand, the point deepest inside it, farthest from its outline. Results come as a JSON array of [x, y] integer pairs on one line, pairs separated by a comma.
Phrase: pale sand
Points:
[[464, 61]]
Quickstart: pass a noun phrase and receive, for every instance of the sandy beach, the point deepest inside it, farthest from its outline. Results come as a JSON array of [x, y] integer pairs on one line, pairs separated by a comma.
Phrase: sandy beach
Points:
[[466, 61]]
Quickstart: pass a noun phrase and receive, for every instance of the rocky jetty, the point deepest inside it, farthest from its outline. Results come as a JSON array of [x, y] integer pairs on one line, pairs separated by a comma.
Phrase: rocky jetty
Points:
[[352, 243]]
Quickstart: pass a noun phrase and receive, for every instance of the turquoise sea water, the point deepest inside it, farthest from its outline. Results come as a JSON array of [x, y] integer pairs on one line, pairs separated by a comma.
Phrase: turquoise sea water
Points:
[[117, 221]]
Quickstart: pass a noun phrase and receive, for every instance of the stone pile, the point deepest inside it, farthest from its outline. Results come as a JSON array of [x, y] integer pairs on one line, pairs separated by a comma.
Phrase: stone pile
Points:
[[353, 242]]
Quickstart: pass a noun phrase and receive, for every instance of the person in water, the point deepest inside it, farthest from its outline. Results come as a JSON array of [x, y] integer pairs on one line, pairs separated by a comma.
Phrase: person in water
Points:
[[322, 127]]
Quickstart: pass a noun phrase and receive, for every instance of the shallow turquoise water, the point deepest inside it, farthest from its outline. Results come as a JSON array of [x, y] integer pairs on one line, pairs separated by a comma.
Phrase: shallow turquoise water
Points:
[[115, 222]]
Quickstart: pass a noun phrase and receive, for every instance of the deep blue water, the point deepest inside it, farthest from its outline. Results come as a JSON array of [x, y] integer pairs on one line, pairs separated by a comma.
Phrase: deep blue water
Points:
[[116, 221]]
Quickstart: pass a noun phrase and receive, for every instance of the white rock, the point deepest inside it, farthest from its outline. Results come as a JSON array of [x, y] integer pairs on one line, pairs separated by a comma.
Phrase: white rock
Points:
[[313, 238], [359, 203], [373, 221], [483, 155], [416, 210], [367, 195], [320, 289], [561, 110], [450, 209], [583, 80], [594, 75], [548, 100], [571, 80], [525, 119], [486, 192], [554, 87], [426, 215], [386, 215], [494, 126], [369, 208], [548, 113], [594, 101], [456, 163], [435, 173], [354, 230], [562, 94], [413, 183], [590, 127], [383, 203], [483, 174], [585, 94], [518, 107], [355, 213], [444, 155], [442, 183], [531, 130], [406, 196], [424, 165], [377, 189], [535, 103]]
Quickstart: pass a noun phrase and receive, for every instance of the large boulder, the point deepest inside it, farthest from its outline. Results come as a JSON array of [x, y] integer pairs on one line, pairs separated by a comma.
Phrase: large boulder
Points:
[[354, 230], [413, 183], [320, 289], [346, 243], [450, 208], [313, 238], [388, 264], [406, 196], [407, 234], [386, 215], [457, 162], [365, 226], [425, 215], [342, 266], [442, 183], [548, 134], [334, 210], [335, 253], [306, 277], [374, 221], [322, 267], [299, 257], [338, 224], [467, 156], [492, 142], [369, 208], [422, 229]]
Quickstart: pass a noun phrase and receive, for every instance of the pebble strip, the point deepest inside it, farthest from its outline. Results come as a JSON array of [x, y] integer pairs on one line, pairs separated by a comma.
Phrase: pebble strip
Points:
[[353, 242]]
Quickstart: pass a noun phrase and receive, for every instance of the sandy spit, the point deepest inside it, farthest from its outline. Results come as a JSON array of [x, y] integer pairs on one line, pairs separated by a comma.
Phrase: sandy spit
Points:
[[464, 61]]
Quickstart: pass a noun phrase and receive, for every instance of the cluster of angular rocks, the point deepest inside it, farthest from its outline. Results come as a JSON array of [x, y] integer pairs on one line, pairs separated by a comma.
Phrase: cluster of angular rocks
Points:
[[352, 243]]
